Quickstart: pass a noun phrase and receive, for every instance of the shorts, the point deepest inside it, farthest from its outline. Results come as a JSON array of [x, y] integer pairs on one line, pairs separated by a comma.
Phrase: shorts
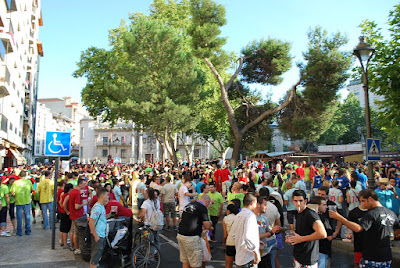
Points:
[[11, 211], [34, 203], [225, 186], [291, 215], [65, 224], [97, 250], [357, 257], [375, 264], [169, 209], [3, 216], [74, 229], [190, 250], [297, 264], [279, 241], [230, 251]]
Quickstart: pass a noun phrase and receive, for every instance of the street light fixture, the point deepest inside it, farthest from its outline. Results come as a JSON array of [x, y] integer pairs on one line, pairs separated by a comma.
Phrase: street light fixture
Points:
[[364, 52]]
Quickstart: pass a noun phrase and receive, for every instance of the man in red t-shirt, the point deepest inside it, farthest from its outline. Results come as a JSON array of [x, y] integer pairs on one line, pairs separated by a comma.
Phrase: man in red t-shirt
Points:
[[75, 206], [300, 171], [217, 179], [121, 211], [226, 182]]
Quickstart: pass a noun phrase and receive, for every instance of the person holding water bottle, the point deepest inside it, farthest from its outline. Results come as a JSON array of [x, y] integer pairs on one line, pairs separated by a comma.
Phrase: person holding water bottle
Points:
[[309, 229]]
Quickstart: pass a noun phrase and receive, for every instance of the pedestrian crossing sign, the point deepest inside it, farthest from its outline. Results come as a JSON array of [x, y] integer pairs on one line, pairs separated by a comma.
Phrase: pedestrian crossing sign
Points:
[[373, 149]]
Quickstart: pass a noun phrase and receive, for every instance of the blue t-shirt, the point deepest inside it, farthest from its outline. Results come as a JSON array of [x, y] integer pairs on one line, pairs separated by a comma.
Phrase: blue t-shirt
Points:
[[140, 186], [198, 190], [117, 192], [363, 179], [317, 182], [386, 198], [288, 196], [343, 182], [98, 213]]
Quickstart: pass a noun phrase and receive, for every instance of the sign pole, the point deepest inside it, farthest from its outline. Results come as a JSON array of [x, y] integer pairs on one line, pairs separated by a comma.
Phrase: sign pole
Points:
[[53, 230]]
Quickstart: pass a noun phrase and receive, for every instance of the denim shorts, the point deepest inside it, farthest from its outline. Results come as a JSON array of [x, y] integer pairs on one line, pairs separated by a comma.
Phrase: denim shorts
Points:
[[374, 264], [97, 250]]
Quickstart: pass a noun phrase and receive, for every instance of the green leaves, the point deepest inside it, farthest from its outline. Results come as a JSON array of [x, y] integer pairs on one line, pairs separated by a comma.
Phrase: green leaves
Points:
[[265, 61]]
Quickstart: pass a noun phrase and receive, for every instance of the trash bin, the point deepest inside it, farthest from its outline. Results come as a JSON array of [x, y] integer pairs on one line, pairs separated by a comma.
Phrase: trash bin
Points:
[[84, 237]]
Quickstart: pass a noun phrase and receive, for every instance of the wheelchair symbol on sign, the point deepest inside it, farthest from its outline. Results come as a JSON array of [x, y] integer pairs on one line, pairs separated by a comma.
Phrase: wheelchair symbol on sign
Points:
[[55, 142]]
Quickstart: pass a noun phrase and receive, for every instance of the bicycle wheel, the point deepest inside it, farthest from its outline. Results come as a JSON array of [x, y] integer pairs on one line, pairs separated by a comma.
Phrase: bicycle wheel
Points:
[[146, 256]]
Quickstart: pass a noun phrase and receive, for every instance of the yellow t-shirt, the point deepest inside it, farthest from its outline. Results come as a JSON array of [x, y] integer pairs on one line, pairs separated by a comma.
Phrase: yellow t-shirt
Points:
[[46, 191]]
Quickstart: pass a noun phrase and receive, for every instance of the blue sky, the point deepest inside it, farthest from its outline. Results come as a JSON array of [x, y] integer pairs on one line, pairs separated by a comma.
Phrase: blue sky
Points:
[[73, 26]]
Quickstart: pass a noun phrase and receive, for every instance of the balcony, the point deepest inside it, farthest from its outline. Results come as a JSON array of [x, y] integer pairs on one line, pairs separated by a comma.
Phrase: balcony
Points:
[[113, 143], [11, 5], [4, 81], [8, 44]]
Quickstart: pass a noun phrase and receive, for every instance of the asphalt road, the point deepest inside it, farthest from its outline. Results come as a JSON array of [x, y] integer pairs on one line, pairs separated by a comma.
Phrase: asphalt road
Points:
[[170, 253]]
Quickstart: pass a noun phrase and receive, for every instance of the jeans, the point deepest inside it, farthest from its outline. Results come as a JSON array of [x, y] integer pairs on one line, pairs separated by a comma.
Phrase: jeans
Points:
[[323, 260], [214, 220], [272, 251], [26, 209], [46, 221], [140, 202]]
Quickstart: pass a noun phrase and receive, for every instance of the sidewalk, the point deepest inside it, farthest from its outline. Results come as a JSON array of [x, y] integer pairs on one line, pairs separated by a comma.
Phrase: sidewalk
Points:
[[35, 250]]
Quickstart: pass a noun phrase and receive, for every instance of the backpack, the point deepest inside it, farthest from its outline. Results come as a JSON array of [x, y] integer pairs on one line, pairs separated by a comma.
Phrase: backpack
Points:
[[156, 219]]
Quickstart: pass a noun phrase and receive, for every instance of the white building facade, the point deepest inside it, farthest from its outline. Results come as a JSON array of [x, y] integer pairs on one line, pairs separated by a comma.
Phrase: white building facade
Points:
[[20, 52], [100, 142], [357, 88]]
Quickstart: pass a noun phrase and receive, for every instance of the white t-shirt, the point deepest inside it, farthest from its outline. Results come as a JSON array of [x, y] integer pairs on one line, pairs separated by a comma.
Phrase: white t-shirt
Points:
[[334, 195], [148, 206], [183, 199], [228, 223]]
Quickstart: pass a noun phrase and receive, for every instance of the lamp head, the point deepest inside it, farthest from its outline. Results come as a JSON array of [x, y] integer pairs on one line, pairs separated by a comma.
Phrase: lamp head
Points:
[[363, 51]]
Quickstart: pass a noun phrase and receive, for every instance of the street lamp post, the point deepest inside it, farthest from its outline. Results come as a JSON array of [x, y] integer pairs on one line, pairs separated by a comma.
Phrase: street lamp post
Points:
[[364, 52]]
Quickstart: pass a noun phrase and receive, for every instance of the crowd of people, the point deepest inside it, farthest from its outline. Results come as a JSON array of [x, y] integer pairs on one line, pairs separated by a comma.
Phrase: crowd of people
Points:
[[262, 207]]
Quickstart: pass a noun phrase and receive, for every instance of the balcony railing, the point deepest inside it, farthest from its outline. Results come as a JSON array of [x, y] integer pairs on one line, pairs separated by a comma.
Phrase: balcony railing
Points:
[[113, 143]]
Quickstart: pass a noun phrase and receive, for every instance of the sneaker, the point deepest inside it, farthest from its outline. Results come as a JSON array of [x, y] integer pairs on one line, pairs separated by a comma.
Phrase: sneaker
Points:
[[72, 248], [4, 233], [7, 231], [77, 251]]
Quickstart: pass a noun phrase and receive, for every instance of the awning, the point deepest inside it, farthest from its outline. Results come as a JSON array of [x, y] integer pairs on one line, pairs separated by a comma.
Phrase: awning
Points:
[[40, 48], [20, 159]]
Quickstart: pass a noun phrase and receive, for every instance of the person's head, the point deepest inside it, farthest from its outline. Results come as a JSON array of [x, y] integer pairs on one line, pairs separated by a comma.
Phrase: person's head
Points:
[[61, 184], [213, 189], [236, 202], [68, 187], [204, 188], [115, 182], [157, 179], [354, 176], [383, 182], [102, 196], [107, 186], [75, 175], [236, 187], [323, 191], [262, 204], [299, 199], [187, 182], [294, 178], [47, 173], [153, 194], [232, 209], [206, 200], [270, 181], [23, 174], [335, 184], [81, 183], [368, 198], [392, 181], [264, 192], [168, 179], [321, 202], [289, 185], [250, 201], [353, 184]]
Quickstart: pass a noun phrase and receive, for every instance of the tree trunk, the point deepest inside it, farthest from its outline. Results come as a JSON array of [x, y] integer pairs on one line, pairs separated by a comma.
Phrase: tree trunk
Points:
[[236, 151], [167, 145], [173, 147], [158, 138]]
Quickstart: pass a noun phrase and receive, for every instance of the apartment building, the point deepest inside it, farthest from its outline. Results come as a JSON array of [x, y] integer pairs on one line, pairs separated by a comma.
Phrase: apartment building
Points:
[[20, 52]]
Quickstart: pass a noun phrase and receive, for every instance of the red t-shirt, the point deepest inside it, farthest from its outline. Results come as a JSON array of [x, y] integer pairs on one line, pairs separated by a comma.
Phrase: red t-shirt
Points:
[[85, 193], [225, 174], [121, 212], [300, 172], [217, 175], [75, 198], [60, 204]]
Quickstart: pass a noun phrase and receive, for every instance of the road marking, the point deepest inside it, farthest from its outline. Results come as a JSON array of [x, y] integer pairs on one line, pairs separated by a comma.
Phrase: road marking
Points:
[[172, 243]]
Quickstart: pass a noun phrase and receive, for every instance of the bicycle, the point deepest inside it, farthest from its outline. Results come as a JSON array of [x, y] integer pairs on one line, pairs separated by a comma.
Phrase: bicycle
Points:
[[145, 254]]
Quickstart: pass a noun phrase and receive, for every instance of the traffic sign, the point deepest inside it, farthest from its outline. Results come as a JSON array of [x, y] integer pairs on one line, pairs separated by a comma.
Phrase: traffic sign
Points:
[[373, 149], [58, 144], [117, 160]]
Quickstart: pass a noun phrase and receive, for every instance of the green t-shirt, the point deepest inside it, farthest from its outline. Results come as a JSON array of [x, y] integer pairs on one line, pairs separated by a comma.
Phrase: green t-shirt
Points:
[[73, 182], [307, 174], [239, 196], [22, 189], [12, 198], [3, 192], [218, 200]]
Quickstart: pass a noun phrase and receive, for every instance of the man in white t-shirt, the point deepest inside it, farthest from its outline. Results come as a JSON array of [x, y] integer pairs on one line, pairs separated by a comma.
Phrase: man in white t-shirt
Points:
[[168, 192], [184, 194]]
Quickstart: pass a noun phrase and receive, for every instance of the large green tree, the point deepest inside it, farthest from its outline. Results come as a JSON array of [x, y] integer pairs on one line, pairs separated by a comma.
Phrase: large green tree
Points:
[[154, 79], [263, 62], [384, 71]]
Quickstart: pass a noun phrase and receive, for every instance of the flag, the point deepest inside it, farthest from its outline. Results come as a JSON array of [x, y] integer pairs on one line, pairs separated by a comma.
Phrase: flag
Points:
[[98, 138], [124, 139], [110, 137]]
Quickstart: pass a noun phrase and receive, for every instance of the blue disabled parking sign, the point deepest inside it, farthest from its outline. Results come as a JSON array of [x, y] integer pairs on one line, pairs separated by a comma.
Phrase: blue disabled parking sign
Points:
[[373, 149], [58, 144]]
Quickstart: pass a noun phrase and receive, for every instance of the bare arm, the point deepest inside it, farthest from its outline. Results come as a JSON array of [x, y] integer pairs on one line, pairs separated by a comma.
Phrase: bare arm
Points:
[[225, 233], [65, 205], [349, 224], [319, 233], [348, 197], [93, 229]]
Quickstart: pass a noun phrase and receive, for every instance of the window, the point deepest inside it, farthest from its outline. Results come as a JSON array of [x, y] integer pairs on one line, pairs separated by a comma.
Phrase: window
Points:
[[82, 132], [105, 153], [123, 153], [105, 140], [196, 153], [81, 152], [11, 126]]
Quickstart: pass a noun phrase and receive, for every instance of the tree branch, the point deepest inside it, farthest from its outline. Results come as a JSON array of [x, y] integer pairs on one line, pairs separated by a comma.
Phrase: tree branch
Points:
[[272, 111]]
